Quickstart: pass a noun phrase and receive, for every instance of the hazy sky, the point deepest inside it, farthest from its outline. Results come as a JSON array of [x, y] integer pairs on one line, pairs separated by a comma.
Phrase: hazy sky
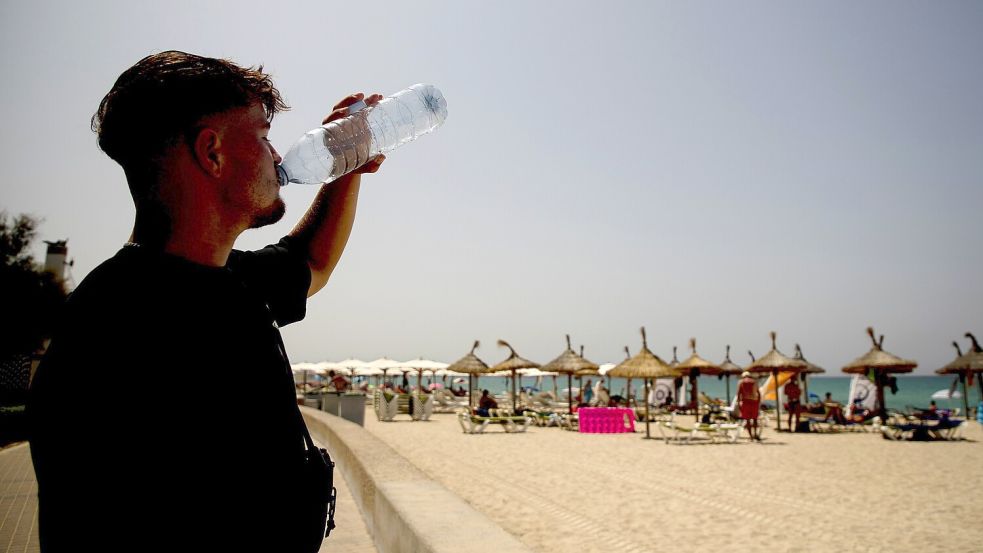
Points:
[[707, 169]]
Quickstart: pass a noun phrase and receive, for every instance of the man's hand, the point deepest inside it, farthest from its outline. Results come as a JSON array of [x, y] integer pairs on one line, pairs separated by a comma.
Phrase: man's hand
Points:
[[356, 161]]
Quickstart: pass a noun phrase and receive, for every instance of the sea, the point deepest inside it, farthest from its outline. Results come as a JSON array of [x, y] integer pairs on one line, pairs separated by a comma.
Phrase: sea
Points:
[[913, 391]]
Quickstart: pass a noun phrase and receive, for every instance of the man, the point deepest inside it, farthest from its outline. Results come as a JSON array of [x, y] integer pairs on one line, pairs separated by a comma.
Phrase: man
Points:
[[833, 410], [133, 443], [793, 393], [485, 403], [338, 381], [749, 402]]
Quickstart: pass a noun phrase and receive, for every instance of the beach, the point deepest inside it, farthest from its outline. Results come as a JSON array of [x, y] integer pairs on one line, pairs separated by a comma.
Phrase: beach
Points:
[[561, 491]]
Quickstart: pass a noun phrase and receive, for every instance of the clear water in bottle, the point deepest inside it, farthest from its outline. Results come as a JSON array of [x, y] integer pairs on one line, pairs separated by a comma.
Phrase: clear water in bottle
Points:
[[340, 147]]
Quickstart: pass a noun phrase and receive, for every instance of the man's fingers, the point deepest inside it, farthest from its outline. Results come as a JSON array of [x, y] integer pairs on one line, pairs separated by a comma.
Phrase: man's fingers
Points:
[[349, 100], [372, 166], [341, 108]]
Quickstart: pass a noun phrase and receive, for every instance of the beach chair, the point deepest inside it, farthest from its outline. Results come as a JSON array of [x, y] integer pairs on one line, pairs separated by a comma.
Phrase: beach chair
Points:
[[730, 432], [474, 424], [570, 421], [948, 429], [924, 430], [446, 402]]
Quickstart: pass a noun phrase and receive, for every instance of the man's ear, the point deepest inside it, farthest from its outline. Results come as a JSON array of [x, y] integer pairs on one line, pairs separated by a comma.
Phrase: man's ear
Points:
[[207, 150]]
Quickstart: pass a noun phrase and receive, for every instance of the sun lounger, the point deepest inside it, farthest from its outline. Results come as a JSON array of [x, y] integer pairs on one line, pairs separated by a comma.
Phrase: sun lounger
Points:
[[942, 429], [543, 418], [446, 402], [474, 424], [674, 430]]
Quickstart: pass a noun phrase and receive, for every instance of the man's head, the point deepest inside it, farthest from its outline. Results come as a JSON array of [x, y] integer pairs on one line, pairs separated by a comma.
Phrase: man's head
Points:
[[175, 105]]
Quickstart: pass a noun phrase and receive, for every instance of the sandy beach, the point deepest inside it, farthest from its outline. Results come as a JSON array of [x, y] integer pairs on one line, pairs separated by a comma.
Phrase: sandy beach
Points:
[[560, 491]]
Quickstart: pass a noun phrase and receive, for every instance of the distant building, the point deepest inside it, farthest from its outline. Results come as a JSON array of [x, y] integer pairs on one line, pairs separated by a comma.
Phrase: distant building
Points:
[[56, 261]]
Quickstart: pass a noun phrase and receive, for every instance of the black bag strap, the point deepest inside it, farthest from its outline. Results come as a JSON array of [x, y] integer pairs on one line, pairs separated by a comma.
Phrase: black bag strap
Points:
[[314, 454]]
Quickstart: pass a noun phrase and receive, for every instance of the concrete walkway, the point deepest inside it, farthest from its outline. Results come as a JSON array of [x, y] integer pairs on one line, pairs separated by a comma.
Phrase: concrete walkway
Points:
[[19, 509], [18, 501]]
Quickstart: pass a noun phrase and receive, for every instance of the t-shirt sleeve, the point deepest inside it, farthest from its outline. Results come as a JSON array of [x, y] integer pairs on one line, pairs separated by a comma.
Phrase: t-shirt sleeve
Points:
[[279, 274]]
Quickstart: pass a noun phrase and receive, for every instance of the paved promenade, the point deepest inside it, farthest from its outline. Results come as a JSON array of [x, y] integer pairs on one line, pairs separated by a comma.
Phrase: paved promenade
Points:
[[19, 509]]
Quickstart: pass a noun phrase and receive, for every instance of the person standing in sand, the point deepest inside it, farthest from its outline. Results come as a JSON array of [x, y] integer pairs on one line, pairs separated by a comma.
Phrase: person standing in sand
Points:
[[749, 403], [172, 464], [793, 393]]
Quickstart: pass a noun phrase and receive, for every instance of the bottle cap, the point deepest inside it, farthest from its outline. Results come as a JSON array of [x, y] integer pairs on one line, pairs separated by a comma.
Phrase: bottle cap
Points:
[[357, 106]]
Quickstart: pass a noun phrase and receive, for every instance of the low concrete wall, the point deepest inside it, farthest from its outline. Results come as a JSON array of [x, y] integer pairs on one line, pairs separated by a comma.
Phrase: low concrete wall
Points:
[[404, 510]]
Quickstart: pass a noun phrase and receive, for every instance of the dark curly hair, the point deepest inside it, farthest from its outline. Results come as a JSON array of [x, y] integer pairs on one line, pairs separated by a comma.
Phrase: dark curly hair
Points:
[[162, 99]]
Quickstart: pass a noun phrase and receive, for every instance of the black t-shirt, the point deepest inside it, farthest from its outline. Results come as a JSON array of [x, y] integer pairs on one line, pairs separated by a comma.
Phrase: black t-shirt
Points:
[[163, 414]]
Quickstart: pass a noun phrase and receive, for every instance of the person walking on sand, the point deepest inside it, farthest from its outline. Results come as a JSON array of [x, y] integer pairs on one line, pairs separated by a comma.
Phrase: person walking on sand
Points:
[[172, 464], [749, 402]]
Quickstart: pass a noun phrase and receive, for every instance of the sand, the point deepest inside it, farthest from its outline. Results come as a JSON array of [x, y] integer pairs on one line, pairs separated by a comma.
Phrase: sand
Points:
[[560, 491]]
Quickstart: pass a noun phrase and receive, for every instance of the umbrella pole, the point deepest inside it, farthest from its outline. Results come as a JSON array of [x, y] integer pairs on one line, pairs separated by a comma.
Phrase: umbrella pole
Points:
[[556, 392], [805, 387], [879, 381], [628, 395], [728, 389], [696, 398], [570, 392], [965, 398], [647, 435], [778, 400], [513, 392]]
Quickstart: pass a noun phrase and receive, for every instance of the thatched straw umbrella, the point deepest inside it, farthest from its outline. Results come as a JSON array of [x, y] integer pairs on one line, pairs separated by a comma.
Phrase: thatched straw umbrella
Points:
[[881, 363], [694, 366], [810, 369], [729, 369], [586, 371], [471, 366], [965, 366], [774, 362], [513, 363], [569, 363], [645, 365]]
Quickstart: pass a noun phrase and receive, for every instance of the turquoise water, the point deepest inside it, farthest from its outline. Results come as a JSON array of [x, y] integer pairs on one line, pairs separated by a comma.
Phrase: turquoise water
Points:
[[913, 391]]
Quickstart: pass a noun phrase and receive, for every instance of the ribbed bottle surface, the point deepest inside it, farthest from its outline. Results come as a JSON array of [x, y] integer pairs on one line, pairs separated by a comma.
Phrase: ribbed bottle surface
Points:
[[339, 147]]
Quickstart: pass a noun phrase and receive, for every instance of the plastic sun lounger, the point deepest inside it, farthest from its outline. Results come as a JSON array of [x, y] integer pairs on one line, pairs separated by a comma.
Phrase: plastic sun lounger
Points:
[[543, 418], [946, 429], [474, 424], [729, 431]]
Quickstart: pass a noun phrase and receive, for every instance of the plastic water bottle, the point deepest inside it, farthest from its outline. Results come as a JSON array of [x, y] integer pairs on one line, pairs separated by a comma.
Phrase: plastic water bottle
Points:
[[341, 146]]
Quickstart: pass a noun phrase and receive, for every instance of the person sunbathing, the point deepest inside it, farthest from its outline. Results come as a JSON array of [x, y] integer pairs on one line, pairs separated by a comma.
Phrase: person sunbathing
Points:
[[833, 409]]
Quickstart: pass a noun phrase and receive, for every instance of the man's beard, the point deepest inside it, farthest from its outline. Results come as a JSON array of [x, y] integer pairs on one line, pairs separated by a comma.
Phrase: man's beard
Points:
[[270, 216]]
